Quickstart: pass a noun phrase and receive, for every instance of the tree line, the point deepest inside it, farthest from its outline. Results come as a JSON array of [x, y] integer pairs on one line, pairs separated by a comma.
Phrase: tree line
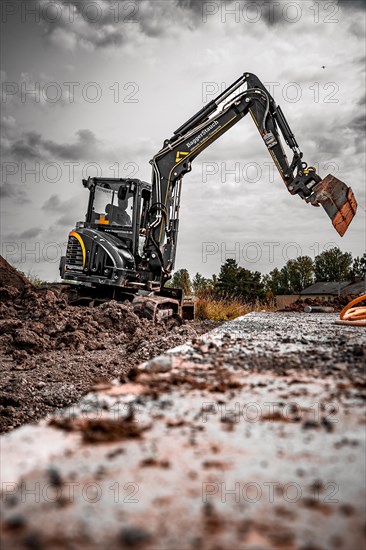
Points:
[[296, 275]]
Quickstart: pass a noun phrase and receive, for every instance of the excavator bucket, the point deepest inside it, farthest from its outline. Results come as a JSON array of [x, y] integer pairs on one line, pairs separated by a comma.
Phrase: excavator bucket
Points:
[[338, 201]]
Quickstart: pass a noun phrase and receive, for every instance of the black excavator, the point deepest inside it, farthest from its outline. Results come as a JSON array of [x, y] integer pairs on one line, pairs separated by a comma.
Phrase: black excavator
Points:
[[126, 247]]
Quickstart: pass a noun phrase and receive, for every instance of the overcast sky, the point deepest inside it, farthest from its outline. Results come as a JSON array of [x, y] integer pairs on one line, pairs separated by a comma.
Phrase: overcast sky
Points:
[[106, 82]]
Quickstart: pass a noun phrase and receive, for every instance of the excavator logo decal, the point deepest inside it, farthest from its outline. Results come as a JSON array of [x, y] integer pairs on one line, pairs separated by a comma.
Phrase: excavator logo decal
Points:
[[180, 156]]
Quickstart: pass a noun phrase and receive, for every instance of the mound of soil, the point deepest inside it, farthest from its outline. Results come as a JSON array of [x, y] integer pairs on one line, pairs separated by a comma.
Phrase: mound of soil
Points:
[[10, 277], [338, 303], [52, 352]]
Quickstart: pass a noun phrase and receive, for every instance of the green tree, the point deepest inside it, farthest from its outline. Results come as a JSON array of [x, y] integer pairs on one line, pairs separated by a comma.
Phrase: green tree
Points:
[[292, 278], [239, 282], [277, 282], [300, 273], [181, 279], [251, 285], [200, 284], [359, 267], [227, 281], [285, 280], [333, 265]]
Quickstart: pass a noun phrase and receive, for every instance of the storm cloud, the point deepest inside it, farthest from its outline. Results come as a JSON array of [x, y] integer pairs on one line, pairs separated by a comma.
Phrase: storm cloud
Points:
[[63, 211], [13, 192], [32, 146], [169, 53], [55, 204], [352, 4], [99, 24], [31, 233]]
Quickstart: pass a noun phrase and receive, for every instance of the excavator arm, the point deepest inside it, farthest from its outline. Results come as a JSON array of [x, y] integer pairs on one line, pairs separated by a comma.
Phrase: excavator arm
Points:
[[174, 160]]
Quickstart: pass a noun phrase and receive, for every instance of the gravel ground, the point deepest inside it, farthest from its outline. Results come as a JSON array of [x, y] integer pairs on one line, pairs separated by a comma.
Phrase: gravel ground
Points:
[[252, 436]]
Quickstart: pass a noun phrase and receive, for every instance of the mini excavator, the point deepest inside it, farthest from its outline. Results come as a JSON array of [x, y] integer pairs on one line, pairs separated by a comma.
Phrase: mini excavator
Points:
[[126, 247]]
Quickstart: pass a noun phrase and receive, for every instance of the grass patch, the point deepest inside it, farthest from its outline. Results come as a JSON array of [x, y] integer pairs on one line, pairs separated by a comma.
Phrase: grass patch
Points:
[[225, 309]]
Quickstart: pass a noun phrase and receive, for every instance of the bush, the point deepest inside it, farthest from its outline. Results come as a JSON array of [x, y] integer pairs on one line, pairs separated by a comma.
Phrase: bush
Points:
[[226, 309]]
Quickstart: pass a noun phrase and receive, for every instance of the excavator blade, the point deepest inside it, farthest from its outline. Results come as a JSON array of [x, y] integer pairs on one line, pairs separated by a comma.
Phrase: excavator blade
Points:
[[338, 201]]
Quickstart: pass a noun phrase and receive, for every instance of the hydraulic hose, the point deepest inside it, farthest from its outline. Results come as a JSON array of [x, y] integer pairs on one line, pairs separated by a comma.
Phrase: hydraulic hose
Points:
[[351, 315]]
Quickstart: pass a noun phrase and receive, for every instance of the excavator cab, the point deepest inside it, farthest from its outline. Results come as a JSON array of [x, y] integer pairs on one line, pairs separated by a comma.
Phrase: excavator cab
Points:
[[110, 203]]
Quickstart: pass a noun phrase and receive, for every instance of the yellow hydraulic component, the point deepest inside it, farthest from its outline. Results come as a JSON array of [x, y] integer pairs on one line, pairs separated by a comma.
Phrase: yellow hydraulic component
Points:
[[81, 242]]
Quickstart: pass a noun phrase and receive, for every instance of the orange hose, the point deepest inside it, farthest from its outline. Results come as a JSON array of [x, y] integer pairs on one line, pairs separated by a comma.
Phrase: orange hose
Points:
[[353, 315]]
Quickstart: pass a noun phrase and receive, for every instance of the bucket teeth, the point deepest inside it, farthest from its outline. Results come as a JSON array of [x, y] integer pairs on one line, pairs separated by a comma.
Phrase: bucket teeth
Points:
[[338, 201]]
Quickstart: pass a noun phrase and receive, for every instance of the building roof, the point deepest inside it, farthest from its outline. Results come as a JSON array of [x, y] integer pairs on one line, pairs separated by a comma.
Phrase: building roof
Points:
[[355, 288], [334, 288]]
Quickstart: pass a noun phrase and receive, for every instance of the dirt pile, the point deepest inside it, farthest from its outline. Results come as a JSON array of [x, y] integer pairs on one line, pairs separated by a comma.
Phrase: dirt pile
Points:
[[10, 278], [52, 352], [34, 321], [338, 303], [102, 430]]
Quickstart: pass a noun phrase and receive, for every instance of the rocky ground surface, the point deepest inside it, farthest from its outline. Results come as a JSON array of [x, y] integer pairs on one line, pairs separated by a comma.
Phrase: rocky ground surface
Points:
[[252, 436], [52, 353]]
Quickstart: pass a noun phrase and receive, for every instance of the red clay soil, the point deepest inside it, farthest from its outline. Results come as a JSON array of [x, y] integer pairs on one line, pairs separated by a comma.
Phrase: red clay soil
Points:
[[51, 353], [10, 277]]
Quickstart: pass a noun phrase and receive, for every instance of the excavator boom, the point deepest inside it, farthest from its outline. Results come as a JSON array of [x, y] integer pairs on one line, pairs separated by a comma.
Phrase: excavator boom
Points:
[[174, 160]]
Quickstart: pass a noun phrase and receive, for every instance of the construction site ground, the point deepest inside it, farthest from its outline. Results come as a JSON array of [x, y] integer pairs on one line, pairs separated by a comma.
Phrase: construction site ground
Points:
[[251, 436], [52, 353]]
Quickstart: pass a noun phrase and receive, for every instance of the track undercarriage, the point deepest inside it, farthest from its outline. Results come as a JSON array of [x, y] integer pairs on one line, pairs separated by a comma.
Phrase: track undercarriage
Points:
[[151, 306]]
